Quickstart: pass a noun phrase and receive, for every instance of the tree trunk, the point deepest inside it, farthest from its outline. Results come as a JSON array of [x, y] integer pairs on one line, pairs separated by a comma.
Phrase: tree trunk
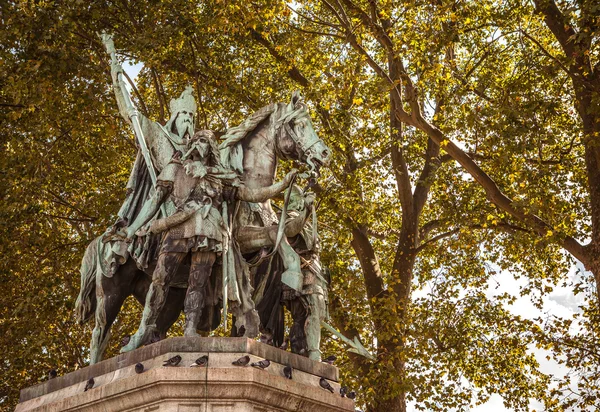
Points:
[[397, 404]]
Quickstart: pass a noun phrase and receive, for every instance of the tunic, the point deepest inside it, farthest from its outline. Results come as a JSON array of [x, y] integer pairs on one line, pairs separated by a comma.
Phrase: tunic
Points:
[[204, 230]]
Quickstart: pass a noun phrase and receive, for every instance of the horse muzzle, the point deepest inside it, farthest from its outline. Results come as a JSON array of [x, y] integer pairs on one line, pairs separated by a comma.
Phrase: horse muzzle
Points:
[[317, 156]]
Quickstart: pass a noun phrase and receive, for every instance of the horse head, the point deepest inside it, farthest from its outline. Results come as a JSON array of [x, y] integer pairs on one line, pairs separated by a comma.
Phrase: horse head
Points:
[[297, 138]]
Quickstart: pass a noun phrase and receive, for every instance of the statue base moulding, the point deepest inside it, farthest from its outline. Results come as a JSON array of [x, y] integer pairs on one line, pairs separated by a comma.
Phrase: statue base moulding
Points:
[[219, 387]]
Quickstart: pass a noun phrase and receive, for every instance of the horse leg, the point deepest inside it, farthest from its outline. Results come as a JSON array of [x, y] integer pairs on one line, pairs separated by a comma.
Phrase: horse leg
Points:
[[170, 311], [195, 298], [166, 267], [316, 314], [110, 295], [299, 309], [173, 305]]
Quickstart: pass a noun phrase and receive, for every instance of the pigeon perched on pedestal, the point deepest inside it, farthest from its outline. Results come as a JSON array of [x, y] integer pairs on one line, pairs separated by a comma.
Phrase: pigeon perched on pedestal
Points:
[[325, 385], [243, 361], [329, 359], [125, 340], [201, 361], [351, 395], [52, 374], [263, 364], [266, 339], [174, 361], [155, 338], [89, 385], [343, 391], [139, 368], [287, 372]]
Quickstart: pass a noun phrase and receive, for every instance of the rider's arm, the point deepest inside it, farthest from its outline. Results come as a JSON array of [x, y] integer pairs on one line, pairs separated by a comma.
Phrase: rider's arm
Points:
[[164, 187], [150, 208], [262, 194]]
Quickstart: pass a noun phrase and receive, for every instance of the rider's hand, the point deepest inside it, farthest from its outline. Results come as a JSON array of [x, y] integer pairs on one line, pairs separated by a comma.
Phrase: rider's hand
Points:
[[309, 198], [142, 232], [192, 206], [288, 178]]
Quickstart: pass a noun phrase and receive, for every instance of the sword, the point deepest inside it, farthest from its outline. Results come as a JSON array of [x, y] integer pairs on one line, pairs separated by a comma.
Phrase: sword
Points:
[[133, 113]]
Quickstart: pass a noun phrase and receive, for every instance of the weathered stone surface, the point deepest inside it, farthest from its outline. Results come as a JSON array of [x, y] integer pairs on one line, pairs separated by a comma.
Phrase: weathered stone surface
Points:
[[221, 387]]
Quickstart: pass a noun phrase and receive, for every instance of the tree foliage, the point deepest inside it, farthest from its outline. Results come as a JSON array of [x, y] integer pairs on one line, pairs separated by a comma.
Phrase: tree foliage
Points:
[[464, 138]]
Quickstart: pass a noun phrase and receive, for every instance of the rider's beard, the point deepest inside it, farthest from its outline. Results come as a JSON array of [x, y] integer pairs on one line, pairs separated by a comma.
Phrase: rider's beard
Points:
[[202, 151], [184, 127], [186, 131]]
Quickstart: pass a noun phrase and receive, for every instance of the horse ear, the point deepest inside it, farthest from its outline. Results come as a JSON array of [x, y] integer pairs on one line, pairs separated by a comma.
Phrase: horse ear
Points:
[[296, 98]]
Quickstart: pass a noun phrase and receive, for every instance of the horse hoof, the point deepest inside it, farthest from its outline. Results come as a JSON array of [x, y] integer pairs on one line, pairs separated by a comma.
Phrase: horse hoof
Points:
[[133, 344]]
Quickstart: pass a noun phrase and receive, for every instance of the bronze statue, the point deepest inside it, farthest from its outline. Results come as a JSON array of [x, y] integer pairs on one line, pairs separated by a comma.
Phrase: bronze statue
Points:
[[115, 268]]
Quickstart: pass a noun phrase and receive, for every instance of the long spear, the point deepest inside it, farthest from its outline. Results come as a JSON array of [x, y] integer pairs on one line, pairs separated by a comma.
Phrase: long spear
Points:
[[133, 112]]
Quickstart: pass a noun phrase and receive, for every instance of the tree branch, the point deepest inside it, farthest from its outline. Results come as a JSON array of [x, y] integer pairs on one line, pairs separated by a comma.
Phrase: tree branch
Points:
[[294, 73], [432, 162], [507, 227], [377, 31], [312, 20], [546, 52]]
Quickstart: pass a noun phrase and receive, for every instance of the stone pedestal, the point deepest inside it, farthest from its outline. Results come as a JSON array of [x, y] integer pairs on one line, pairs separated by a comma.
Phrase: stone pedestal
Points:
[[219, 387]]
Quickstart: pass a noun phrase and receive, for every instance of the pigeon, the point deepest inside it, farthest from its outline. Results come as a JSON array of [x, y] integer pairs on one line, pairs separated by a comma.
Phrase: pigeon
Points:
[[285, 344], [325, 385], [174, 361], [287, 372], [155, 338], [201, 361], [139, 368], [330, 359], [263, 364], [125, 340], [351, 395], [52, 374], [89, 384], [266, 339], [343, 391], [243, 361]]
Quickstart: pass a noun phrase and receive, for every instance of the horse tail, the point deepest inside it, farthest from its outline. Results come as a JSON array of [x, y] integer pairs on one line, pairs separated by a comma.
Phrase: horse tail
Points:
[[85, 306]]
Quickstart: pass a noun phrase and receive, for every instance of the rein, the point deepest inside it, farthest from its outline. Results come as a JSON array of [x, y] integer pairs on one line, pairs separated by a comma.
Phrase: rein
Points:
[[280, 226]]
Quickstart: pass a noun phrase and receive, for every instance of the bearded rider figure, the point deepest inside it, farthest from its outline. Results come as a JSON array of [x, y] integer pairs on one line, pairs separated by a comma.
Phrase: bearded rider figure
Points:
[[191, 189]]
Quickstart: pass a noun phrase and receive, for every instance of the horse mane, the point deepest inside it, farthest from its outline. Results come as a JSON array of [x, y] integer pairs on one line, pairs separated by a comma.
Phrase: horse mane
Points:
[[232, 153]]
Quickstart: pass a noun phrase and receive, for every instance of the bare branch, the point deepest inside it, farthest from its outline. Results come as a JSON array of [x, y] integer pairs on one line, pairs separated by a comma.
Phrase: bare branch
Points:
[[314, 20], [506, 227], [293, 72], [319, 33], [546, 52]]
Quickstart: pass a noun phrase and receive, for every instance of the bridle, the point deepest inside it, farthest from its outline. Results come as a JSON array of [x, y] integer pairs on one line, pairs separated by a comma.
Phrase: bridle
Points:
[[303, 146]]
